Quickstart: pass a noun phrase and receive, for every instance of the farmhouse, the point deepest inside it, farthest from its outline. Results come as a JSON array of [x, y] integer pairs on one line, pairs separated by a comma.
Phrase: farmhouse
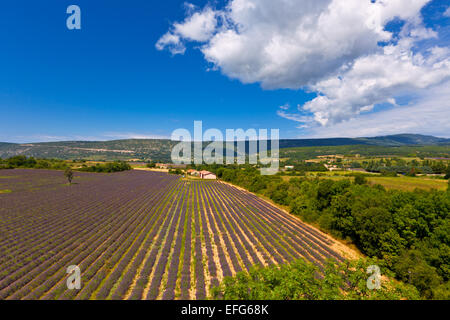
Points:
[[207, 175], [332, 167], [193, 172]]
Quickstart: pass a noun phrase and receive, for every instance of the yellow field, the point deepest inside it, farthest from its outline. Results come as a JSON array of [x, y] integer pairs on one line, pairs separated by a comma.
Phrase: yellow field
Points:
[[150, 169], [399, 183], [139, 166], [409, 183]]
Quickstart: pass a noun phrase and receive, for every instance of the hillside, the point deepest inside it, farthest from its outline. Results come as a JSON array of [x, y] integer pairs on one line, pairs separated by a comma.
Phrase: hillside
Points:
[[156, 149], [405, 139], [159, 149], [384, 141], [421, 151]]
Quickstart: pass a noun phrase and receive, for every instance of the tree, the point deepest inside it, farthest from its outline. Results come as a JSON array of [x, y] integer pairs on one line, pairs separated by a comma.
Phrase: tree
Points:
[[175, 171], [69, 175], [360, 179], [110, 167], [370, 225], [439, 167], [22, 161], [447, 173], [412, 172], [412, 268]]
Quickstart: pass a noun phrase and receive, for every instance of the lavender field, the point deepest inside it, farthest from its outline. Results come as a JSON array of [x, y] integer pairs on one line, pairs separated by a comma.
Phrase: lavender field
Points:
[[139, 235]]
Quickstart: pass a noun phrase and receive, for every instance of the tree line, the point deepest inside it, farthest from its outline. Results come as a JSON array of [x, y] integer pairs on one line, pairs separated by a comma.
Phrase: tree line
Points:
[[409, 168], [32, 163], [55, 164]]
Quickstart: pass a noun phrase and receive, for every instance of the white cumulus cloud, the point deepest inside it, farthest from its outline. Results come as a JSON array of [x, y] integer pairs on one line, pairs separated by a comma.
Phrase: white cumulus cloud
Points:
[[199, 26], [338, 49], [430, 114], [376, 79], [447, 12]]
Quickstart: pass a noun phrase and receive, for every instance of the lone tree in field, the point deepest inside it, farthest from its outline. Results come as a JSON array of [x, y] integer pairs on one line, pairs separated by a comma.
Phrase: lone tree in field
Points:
[[69, 175], [360, 179]]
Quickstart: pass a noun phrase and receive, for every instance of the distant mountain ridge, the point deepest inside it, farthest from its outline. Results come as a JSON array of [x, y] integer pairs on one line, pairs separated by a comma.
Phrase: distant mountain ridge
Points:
[[385, 141], [408, 139], [160, 149]]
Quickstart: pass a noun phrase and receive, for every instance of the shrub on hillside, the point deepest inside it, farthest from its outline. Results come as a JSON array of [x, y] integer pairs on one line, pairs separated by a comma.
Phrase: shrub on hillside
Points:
[[360, 179], [299, 281], [116, 166]]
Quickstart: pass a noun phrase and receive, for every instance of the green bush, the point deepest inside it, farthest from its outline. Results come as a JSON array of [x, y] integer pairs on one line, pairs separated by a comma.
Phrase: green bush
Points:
[[360, 179], [116, 166], [176, 171], [32, 163], [300, 281]]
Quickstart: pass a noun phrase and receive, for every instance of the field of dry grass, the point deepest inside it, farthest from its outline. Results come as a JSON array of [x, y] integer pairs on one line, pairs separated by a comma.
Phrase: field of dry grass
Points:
[[398, 183], [409, 183]]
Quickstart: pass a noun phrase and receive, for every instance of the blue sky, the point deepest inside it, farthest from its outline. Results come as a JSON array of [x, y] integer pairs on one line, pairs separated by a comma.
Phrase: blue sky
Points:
[[108, 80]]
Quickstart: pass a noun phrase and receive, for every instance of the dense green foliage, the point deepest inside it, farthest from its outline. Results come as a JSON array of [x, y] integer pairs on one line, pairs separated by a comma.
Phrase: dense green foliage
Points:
[[300, 281], [406, 167], [25, 162], [410, 231], [32, 163], [176, 171], [151, 165], [360, 179], [109, 167]]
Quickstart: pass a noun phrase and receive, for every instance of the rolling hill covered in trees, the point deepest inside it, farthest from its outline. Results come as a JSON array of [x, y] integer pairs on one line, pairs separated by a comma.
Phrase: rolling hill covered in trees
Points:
[[159, 149]]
